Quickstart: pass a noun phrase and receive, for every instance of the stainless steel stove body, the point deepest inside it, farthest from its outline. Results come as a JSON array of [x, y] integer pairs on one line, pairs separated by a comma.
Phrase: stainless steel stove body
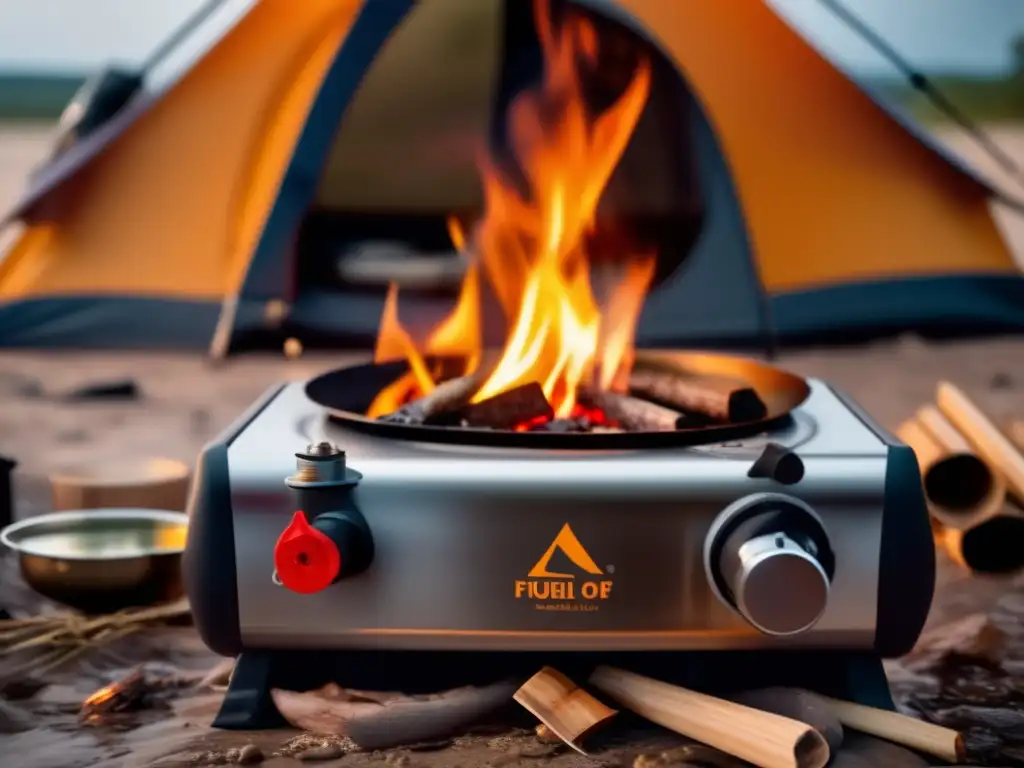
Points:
[[504, 549]]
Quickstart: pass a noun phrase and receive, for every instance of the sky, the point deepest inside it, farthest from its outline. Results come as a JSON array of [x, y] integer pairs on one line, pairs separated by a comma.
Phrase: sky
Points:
[[933, 35]]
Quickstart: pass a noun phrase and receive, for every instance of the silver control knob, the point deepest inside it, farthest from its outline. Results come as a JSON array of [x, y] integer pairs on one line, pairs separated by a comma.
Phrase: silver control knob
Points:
[[768, 557], [777, 585]]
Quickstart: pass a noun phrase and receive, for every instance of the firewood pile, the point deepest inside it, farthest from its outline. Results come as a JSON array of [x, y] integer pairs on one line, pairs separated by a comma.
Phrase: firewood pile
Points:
[[973, 475], [611, 717], [658, 398], [771, 728]]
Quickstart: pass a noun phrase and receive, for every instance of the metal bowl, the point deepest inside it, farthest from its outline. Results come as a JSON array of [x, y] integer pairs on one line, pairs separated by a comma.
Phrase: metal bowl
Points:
[[102, 560]]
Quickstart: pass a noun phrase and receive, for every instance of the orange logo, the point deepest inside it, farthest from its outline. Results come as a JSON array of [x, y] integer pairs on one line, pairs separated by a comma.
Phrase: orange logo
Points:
[[555, 591]]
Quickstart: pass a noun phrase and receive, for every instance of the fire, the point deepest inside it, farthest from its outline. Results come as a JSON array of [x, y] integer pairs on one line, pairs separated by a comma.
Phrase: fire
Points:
[[532, 246]]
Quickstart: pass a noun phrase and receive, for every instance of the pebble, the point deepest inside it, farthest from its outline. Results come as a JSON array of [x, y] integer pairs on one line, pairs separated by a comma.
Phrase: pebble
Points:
[[250, 754], [323, 752]]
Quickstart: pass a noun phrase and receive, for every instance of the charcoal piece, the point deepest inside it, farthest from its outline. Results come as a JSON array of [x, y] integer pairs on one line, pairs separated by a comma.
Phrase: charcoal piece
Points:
[[509, 408], [796, 704], [448, 396], [563, 426], [715, 397], [634, 414]]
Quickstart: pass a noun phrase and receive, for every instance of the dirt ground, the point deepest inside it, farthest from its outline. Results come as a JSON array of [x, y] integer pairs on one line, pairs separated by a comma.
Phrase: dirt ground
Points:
[[185, 401]]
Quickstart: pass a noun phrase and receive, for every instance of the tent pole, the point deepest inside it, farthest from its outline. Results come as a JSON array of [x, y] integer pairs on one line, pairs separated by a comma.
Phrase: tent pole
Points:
[[180, 33]]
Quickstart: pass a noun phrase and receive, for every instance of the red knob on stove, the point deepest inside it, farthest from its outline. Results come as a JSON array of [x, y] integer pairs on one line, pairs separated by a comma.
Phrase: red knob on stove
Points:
[[307, 560]]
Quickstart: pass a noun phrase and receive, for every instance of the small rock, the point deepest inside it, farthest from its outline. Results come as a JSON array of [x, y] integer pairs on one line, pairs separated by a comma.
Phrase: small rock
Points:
[[1001, 381], [323, 752], [250, 754]]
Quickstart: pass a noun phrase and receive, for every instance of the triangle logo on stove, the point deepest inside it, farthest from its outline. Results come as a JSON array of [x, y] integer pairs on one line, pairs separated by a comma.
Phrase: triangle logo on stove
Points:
[[567, 543]]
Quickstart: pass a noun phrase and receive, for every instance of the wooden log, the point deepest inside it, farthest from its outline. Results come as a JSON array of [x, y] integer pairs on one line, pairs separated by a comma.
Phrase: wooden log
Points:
[[634, 414], [961, 488], [447, 396], [567, 710], [508, 409], [993, 547], [944, 743], [990, 443], [422, 721], [715, 397], [762, 738], [1015, 430], [120, 696]]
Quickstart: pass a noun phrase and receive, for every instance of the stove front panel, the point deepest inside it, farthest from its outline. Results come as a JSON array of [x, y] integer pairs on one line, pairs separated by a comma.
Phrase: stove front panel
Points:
[[495, 549]]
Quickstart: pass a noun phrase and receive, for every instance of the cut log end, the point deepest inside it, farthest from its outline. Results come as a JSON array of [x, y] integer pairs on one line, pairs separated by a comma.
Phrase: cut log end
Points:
[[712, 397], [811, 749]]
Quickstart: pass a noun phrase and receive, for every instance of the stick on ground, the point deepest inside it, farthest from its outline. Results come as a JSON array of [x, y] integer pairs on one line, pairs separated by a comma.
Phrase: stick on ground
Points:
[[901, 729], [761, 738]]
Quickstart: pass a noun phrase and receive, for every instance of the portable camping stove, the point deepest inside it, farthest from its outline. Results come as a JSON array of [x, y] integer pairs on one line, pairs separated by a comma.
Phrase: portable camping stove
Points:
[[803, 539]]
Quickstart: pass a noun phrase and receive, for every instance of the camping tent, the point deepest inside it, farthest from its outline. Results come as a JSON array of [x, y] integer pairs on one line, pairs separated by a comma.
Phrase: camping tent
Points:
[[181, 220]]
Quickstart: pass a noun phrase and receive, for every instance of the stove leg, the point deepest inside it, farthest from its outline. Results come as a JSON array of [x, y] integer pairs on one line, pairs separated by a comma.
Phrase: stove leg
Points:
[[866, 683], [247, 704]]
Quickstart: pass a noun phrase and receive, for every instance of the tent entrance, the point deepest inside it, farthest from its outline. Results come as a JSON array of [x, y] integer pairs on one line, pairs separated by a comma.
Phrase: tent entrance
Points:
[[404, 159]]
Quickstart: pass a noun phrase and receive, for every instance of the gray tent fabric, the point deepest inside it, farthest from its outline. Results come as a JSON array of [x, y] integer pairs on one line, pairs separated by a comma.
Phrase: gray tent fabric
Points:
[[716, 294]]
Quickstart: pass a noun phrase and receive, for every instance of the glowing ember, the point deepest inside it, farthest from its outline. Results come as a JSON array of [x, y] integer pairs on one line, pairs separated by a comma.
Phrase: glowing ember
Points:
[[532, 247], [102, 696]]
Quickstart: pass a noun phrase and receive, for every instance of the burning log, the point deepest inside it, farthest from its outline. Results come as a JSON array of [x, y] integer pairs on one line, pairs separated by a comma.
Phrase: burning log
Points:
[[715, 397], [762, 738], [634, 414], [447, 396], [509, 408], [960, 486], [121, 696], [567, 710]]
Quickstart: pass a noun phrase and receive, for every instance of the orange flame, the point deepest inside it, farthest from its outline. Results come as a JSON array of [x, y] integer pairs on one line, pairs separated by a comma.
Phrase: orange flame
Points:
[[533, 245]]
